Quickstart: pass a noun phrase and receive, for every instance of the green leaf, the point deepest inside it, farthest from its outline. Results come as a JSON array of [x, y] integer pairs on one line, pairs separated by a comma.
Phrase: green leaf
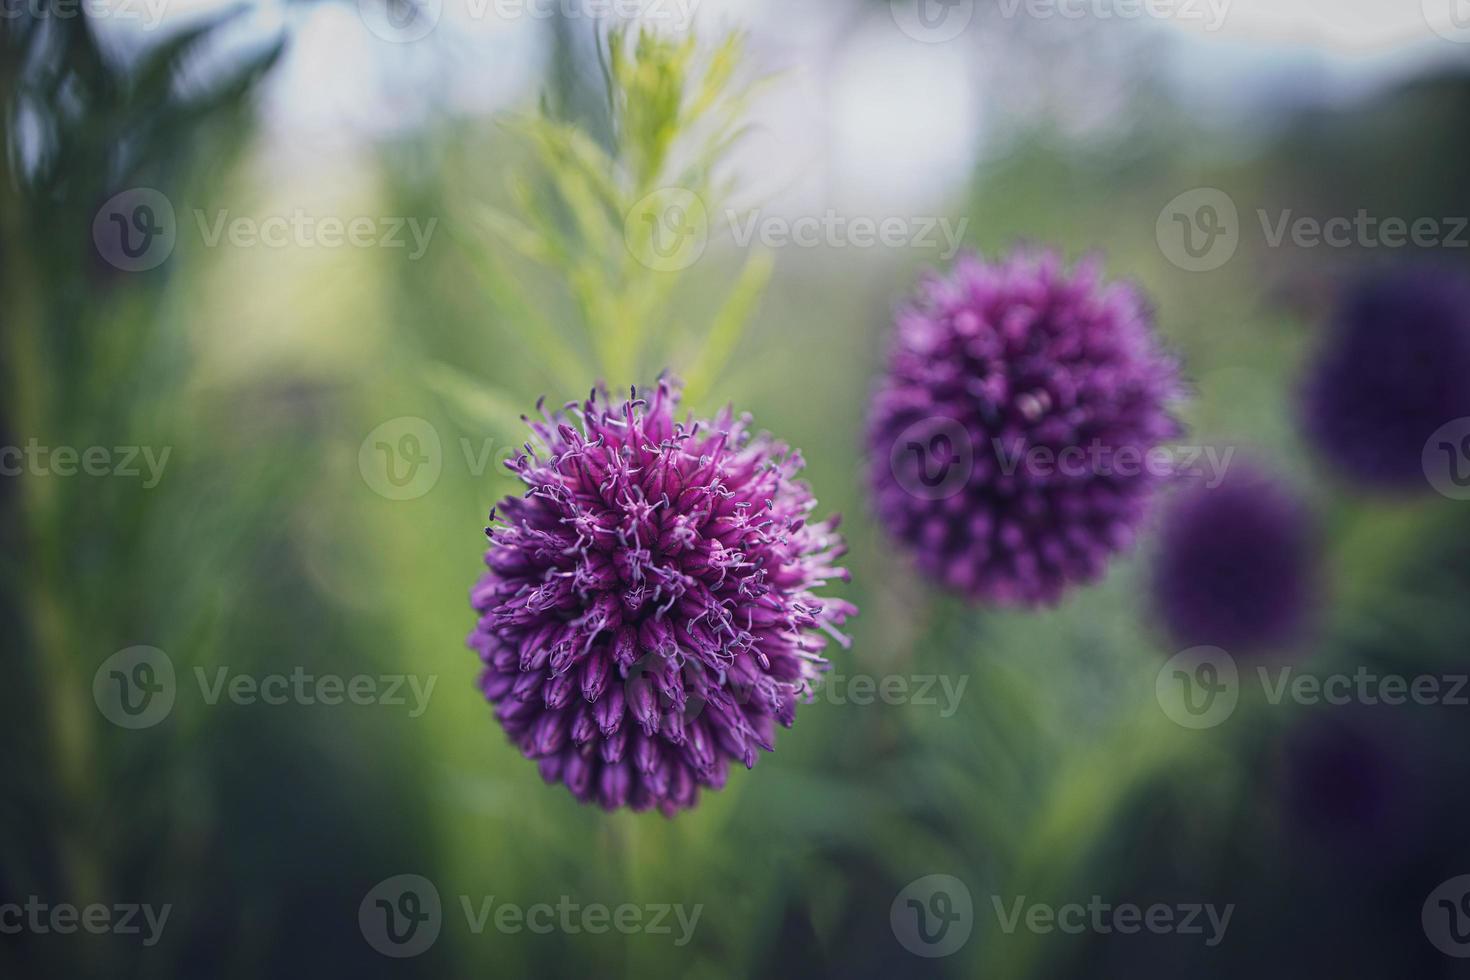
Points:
[[729, 324], [476, 403]]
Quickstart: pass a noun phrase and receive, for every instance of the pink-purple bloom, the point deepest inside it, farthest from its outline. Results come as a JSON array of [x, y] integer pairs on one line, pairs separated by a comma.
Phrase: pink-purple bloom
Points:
[[1238, 564], [1011, 435], [1391, 370], [650, 609]]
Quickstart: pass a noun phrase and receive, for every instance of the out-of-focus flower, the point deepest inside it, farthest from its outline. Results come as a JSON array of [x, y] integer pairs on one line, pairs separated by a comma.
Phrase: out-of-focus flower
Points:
[[1237, 564], [1011, 433], [648, 608], [1391, 371], [1358, 785]]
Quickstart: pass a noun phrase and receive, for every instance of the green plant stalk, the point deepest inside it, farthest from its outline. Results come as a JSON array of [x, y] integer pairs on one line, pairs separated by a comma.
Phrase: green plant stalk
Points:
[[63, 688]]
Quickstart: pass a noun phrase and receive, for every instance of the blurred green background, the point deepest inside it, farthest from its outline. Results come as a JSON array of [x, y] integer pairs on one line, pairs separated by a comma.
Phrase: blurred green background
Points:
[[266, 546]]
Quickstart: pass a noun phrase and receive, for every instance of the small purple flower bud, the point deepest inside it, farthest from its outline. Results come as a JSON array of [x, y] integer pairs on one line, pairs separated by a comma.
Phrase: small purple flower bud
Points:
[[642, 703], [557, 690], [584, 726], [613, 785], [594, 676], [613, 746], [609, 710], [548, 734]]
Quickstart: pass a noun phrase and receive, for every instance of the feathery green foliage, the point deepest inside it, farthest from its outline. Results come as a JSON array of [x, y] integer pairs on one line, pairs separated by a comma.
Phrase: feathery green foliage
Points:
[[584, 213]]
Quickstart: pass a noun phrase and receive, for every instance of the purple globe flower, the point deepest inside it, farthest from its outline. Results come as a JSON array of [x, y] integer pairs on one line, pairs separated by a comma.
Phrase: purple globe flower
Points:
[[648, 608], [1363, 788], [1012, 438], [1237, 564], [1392, 369], [1359, 785]]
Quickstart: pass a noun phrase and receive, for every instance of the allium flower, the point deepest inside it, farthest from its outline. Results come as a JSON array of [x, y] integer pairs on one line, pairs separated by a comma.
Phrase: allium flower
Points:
[[1237, 564], [1010, 437], [646, 612], [1391, 371], [1359, 786]]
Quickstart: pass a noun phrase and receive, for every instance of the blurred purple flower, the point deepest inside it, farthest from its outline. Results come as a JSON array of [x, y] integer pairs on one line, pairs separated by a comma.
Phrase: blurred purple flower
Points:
[[1009, 434], [646, 612], [1237, 565], [1359, 785], [1392, 369]]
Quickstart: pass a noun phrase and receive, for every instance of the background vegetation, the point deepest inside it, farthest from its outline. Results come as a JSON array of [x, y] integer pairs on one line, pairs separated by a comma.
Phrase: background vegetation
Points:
[[265, 549]]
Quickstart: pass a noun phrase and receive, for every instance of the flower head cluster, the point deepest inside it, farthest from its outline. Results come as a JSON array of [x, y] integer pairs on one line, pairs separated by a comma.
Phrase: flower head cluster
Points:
[[649, 610], [1391, 371], [997, 365], [1237, 565]]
